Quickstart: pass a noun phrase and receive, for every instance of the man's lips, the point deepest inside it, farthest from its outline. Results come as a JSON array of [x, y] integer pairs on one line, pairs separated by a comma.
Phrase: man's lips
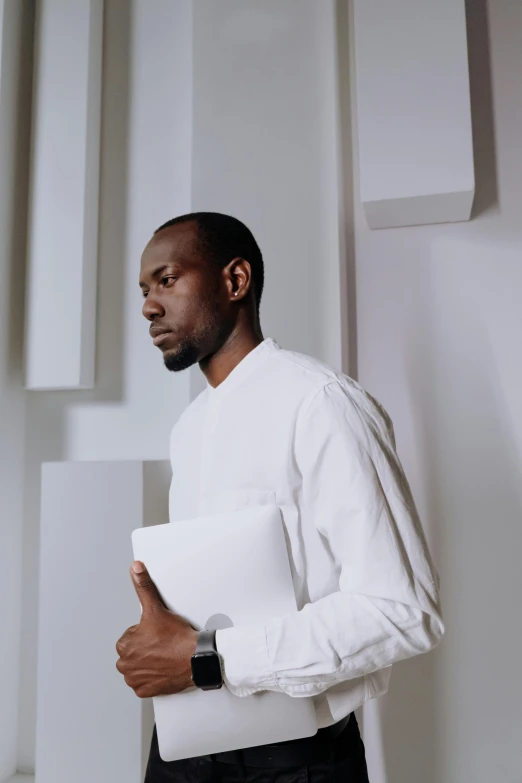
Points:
[[158, 335]]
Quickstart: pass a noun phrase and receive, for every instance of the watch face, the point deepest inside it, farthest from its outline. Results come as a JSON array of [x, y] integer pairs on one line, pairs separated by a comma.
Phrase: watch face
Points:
[[206, 669]]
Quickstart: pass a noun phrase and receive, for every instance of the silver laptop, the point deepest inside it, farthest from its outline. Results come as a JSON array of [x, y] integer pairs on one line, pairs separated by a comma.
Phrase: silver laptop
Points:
[[219, 571]]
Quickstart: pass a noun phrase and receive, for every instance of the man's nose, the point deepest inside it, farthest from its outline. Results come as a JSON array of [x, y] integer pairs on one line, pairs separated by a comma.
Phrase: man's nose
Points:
[[152, 308]]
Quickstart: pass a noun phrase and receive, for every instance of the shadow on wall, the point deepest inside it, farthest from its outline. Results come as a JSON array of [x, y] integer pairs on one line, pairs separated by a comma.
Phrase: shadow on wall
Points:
[[400, 729], [16, 62], [18, 250], [486, 194], [410, 713], [346, 195], [47, 411]]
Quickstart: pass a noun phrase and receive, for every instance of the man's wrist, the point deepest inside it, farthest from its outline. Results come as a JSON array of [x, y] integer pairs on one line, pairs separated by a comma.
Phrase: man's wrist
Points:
[[246, 663], [207, 663], [193, 640]]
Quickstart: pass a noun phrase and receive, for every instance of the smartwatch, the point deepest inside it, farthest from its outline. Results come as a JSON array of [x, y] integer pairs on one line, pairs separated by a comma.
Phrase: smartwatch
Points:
[[207, 673]]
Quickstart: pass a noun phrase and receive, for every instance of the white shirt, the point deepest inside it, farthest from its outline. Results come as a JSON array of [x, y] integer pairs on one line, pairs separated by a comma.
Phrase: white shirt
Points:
[[285, 427]]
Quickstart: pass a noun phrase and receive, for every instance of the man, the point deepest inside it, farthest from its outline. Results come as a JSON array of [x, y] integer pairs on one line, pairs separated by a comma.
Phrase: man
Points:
[[273, 423]]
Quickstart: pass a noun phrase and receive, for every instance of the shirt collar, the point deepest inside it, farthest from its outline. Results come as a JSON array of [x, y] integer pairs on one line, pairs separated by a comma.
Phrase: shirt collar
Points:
[[245, 367]]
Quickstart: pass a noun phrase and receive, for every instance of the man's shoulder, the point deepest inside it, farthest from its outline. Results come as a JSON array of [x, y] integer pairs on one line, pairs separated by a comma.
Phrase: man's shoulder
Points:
[[312, 376], [304, 373], [323, 388]]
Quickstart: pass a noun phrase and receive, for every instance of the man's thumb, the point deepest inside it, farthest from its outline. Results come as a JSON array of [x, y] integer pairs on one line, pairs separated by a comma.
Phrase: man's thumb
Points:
[[146, 590]]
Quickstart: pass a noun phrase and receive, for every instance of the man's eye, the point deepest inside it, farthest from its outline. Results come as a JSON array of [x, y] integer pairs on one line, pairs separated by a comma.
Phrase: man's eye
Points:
[[168, 278], [144, 294]]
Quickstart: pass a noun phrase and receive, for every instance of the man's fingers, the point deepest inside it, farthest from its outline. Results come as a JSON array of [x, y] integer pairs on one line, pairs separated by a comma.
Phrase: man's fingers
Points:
[[146, 590]]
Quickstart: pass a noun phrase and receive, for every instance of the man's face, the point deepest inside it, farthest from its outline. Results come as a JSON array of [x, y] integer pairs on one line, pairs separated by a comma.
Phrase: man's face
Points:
[[186, 298]]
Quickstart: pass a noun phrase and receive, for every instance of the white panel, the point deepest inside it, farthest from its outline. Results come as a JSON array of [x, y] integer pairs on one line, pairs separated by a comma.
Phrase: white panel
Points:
[[413, 111], [88, 720], [61, 297]]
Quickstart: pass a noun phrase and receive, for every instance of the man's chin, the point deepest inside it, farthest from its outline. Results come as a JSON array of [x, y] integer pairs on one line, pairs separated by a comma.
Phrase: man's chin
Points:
[[181, 358]]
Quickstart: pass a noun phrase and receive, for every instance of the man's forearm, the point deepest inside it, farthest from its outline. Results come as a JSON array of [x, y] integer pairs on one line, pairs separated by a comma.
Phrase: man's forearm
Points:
[[339, 637]]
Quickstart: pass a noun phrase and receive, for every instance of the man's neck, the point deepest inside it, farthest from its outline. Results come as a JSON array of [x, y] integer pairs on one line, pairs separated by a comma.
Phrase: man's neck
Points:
[[218, 366]]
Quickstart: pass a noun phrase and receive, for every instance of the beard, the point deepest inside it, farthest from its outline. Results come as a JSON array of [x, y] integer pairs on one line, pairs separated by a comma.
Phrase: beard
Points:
[[182, 357], [209, 335]]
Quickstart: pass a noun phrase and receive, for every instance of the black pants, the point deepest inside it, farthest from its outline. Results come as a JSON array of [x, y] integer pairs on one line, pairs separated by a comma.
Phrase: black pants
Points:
[[347, 764]]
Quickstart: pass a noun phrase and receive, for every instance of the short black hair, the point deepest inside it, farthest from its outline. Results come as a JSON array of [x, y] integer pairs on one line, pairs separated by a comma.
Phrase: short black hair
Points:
[[224, 237]]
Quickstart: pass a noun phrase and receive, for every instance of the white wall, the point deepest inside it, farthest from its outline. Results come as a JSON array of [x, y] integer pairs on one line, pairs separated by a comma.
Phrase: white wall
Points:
[[439, 343], [265, 150]]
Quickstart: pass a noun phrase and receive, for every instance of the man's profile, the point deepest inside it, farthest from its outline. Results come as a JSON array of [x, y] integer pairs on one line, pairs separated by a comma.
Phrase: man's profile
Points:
[[275, 423]]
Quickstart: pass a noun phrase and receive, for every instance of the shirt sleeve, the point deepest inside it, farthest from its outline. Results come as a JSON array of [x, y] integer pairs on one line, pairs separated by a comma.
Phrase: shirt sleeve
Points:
[[353, 489]]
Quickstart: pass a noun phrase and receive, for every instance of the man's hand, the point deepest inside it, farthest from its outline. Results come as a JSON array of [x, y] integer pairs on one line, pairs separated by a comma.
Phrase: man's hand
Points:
[[155, 654]]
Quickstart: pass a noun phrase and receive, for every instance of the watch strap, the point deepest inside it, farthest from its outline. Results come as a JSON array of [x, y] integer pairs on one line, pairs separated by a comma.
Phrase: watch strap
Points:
[[206, 646], [206, 642]]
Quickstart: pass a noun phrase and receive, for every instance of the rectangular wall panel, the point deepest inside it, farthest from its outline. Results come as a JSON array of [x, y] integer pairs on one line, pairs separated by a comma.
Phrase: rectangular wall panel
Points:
[[90, 725], [61, 290], [413, 111]]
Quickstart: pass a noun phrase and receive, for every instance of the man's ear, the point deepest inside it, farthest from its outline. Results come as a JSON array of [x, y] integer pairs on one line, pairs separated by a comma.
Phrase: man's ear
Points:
[[239, 275]]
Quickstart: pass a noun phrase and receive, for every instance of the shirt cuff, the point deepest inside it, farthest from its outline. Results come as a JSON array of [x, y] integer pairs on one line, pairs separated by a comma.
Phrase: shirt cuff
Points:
[[245, 659]]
